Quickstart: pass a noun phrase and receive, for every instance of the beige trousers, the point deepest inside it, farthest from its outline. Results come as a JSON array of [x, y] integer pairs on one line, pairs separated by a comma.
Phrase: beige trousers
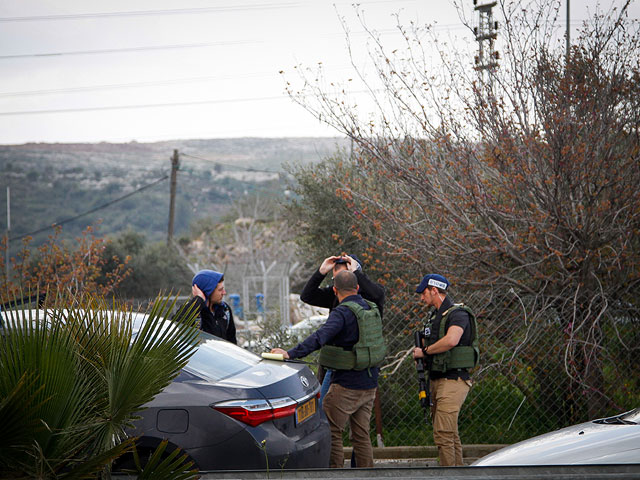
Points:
[[342, 405], [447, 397]]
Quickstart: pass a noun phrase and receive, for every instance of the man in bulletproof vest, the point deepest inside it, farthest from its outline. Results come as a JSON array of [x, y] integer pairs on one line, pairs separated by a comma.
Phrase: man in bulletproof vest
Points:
[[353, 387], [325, 297], [450, 348]]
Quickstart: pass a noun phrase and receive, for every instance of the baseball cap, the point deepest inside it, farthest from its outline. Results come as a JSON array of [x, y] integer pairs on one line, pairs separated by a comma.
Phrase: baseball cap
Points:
[[433, 280]]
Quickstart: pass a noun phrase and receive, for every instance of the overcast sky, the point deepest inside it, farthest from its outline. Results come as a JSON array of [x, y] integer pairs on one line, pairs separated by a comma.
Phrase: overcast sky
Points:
[[146, 70]]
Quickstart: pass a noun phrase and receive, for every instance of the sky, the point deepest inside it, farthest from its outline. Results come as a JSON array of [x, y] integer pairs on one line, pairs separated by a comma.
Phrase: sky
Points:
[[148, 70]]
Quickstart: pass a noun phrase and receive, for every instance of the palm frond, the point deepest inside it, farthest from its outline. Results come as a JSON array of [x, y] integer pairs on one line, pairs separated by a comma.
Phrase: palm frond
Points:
[[72, 377], [165, 466]]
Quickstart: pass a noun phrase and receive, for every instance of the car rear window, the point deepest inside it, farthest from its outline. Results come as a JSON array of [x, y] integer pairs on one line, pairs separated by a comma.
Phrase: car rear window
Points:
[[217, 359]]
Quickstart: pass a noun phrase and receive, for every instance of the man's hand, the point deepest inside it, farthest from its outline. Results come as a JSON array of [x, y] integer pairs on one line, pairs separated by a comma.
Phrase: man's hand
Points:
[[328, 264], [418, 353], [352, 265], [196, 292], [279, 350]]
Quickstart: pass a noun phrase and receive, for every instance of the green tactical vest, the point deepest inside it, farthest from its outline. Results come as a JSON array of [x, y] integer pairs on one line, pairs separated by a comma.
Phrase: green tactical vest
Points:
[[370, 349], [460, 356]]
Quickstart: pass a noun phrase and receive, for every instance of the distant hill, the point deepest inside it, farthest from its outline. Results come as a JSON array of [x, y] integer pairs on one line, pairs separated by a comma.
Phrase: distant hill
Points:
[[57, 182]]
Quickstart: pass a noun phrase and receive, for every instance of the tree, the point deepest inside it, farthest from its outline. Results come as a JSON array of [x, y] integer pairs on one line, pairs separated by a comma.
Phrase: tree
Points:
[[154, 267], [520, 183], [56, 266], [252, 236], [321, 215]]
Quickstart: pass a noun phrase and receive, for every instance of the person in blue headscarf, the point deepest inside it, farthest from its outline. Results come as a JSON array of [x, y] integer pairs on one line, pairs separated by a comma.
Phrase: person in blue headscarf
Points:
[[215, 315]]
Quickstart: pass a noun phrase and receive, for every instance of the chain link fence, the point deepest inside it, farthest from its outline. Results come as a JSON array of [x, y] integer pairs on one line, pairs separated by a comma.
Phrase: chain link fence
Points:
[[535, 375], [527, 382]]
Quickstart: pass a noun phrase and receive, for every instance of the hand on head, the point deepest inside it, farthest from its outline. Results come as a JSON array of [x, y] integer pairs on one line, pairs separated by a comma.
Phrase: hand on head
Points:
[[328, 264], [196, 292], [352, 265]]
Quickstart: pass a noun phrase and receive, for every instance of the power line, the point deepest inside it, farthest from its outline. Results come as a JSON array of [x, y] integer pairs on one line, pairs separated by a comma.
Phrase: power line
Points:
[[108, 204], [136, 13], [153, 105], [246, 169], [175, 81], [150, 105], [128, 49], [173, 11], [192, 45], [93, 88]]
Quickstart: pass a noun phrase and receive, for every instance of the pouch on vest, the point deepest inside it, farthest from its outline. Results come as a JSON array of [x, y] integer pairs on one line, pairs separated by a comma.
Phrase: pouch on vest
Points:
[[370, 349]]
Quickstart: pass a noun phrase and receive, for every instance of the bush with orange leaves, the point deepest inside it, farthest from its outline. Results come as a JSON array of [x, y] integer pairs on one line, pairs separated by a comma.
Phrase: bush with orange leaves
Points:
[[57, 265]]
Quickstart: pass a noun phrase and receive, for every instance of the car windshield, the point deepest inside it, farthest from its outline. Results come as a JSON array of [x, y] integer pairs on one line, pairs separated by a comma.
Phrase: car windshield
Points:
[[216, 359]]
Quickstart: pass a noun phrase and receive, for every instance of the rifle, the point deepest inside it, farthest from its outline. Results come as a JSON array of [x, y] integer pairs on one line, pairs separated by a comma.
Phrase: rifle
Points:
[[423, 382]]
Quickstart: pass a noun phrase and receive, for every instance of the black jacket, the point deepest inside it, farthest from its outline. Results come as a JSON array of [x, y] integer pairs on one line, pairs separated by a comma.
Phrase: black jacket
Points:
[[219, 322], [324, 297]]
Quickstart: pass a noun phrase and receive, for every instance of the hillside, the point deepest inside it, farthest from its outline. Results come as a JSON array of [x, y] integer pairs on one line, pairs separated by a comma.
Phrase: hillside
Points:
[[58, 182]]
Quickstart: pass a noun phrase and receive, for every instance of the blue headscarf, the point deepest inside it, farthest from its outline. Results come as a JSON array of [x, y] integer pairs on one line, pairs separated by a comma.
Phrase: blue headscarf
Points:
[[207, 281]]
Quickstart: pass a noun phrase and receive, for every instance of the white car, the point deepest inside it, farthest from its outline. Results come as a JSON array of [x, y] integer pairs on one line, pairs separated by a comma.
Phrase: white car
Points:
[[611, 440], [308, 325]]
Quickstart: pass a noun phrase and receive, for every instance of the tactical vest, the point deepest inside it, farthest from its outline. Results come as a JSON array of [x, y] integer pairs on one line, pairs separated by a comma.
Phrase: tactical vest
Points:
[[370, 349], [458, 357]]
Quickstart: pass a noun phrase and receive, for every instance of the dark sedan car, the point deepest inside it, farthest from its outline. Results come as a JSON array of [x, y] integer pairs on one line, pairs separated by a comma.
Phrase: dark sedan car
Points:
[[230, 409]]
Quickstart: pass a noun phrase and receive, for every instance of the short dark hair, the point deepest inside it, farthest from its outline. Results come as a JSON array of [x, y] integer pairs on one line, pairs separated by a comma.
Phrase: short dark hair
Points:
[[345, 281], [443, 292]]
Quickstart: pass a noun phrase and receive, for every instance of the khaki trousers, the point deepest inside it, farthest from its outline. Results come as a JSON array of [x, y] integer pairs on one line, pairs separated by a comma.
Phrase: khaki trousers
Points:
[[447, 397], [342, 405]]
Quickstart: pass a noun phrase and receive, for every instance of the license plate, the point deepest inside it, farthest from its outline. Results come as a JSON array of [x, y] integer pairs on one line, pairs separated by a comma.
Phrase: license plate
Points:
[[306, 410]]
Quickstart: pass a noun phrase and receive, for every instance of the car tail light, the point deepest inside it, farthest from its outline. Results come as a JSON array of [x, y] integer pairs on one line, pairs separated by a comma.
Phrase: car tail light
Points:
[[255, 412]]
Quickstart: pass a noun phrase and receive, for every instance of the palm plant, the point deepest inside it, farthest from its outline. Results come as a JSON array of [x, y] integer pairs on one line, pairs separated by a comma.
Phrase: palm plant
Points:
[[73, 375]]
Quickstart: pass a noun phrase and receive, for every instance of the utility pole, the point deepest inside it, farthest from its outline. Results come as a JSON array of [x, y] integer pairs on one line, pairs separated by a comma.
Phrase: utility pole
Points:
[[486, 34], [6, 261], [175, 164]]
